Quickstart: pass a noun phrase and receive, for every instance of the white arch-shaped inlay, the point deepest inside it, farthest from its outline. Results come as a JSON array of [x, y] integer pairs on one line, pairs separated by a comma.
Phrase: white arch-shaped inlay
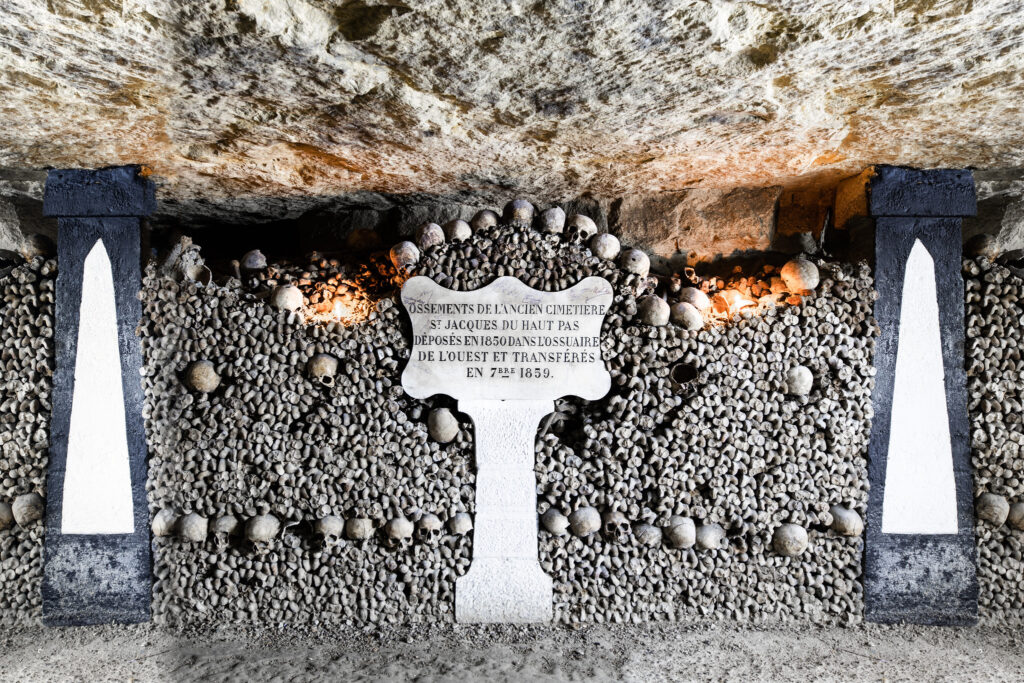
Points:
[[97, 480], [920, 493]]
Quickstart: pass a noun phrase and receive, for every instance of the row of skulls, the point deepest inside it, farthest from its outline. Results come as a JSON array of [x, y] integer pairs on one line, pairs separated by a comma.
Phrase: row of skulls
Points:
[[261, 530]]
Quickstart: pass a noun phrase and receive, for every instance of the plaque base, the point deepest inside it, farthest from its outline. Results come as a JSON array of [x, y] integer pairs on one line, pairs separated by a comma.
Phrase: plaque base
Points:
[[505, 583], [503, 591]]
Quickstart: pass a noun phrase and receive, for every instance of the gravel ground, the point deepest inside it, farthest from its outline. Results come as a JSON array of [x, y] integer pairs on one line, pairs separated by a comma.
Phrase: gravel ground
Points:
[[712, 651]]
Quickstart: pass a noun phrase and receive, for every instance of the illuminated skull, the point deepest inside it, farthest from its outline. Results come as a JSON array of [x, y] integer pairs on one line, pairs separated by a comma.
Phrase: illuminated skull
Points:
[[580, 228], [322, 368]]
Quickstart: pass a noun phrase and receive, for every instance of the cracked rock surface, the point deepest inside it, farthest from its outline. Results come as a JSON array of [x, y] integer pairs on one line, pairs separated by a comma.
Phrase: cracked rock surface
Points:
[[271, 107]]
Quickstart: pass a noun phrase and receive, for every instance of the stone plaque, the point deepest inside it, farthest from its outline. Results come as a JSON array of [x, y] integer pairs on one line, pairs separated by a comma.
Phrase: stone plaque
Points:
[[506, 352], [506, 341]]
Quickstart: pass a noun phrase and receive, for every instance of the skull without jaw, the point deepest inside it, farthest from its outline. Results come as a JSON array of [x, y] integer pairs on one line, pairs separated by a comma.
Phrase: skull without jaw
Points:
[[222, 529], [329, 529], [428, 529], [615, 527], [322, 368], [398, 533], [580, 228]]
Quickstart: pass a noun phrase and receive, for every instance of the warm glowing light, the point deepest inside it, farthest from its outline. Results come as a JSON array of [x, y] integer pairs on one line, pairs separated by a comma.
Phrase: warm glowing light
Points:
[[729, 302], [345, 309]]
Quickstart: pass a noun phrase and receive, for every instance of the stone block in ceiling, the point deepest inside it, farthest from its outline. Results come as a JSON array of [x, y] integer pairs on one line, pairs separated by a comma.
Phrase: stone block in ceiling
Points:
[[697, 225]]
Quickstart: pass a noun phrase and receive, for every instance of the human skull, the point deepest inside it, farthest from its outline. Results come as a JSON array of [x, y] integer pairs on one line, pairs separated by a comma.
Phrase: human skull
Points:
[[322, 368], [653, 310], [460, 524], [457, 230], [799, 380], [990, 507], [202, 376], [329, 529], [686, 315], [552, 221], [554, 522], [428, 235], [790, 540], [164, 522], [519, 211], [358, 528], [223, 528], [193, 527], [1014, 518], [286, 298], [710, 536], [585, 521], [404, 255], [800, 275], [695, 297], [845, 521], [614, 526], [681, 532], [484, 219], [442, 425], [260, 530], [605, 246], [398, 533], [254, 260], [647, 534], [635, 261], [580, 228], [428, 529]]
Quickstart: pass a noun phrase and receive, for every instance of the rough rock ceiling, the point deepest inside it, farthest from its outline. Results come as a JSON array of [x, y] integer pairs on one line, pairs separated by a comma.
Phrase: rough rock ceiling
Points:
[[275, 106]]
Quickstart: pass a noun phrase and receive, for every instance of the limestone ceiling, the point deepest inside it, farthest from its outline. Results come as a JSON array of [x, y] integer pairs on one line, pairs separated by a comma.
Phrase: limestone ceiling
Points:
[[274, 106]]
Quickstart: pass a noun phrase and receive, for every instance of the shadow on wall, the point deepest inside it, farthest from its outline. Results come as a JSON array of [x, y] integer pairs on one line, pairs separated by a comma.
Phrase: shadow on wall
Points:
[[677, 229], [24, 231], [1000, 209]]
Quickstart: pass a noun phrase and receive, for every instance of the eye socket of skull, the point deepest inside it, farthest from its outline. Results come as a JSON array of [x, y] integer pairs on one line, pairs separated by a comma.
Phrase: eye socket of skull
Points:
[[327, 380]]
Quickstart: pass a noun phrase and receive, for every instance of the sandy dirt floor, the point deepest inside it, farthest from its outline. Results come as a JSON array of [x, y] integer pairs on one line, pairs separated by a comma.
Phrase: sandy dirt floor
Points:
[[445, 653]]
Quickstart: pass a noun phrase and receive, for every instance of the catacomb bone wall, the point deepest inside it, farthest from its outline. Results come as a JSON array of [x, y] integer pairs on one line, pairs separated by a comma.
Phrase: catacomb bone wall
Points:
[[26, 368], [995, 381], [728, 448], [727, 445]]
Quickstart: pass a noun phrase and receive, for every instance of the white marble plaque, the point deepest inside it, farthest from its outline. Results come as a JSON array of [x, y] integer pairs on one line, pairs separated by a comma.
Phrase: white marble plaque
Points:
[[506, 341], [920, 491], [97, 481], [506, 352]]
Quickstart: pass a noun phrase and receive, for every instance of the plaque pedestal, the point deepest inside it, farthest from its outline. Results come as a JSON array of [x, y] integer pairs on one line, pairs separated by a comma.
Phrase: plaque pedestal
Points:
[[505, 583], [505, 352]]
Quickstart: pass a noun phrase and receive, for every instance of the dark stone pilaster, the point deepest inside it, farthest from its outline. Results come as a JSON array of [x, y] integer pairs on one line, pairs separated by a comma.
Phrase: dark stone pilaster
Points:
[[909, 577], [93, 578]]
